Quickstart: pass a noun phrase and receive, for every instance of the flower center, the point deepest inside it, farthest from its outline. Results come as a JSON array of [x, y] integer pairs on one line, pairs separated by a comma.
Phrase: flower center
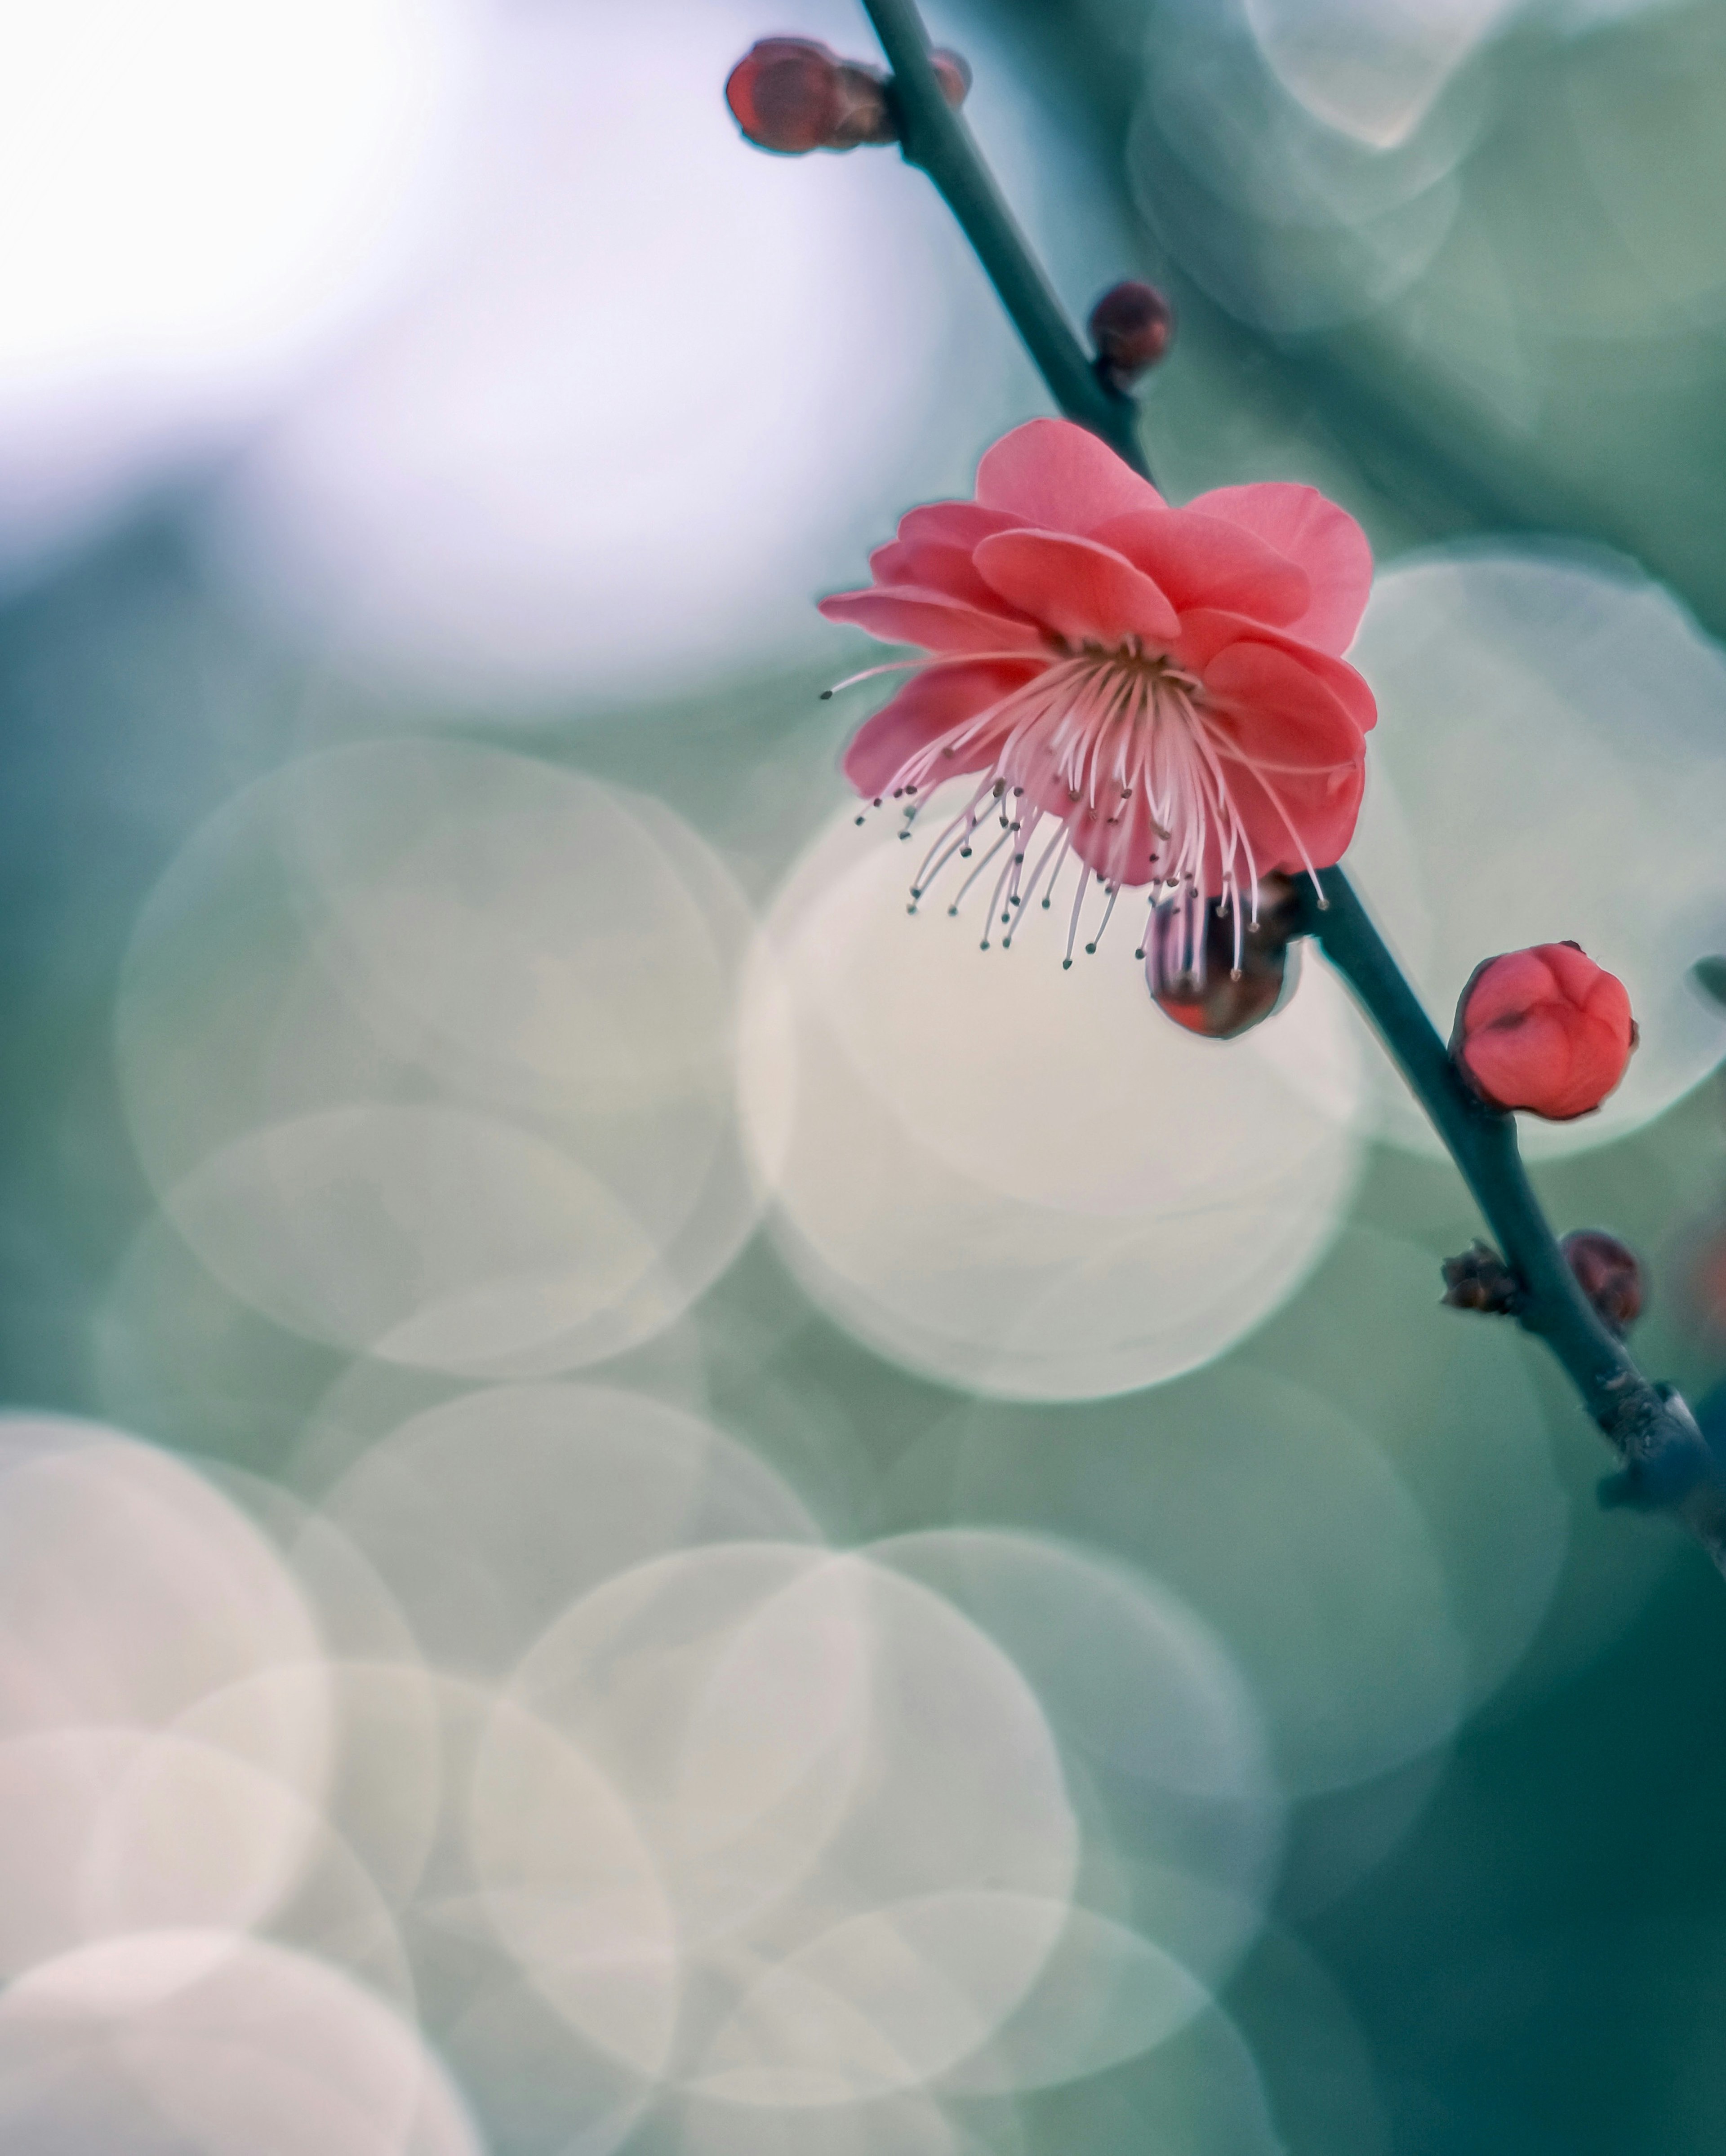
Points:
[[1109, 758]]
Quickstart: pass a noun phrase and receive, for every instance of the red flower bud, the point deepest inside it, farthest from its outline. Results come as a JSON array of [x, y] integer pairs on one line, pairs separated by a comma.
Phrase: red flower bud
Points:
[[1545, 1029], [1608, 1273], [792, 96], [952, 71], [1192, 969], [1130, 326]]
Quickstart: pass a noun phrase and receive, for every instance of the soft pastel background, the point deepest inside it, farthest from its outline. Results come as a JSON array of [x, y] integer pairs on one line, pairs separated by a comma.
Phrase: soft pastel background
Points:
[[644, 1505]]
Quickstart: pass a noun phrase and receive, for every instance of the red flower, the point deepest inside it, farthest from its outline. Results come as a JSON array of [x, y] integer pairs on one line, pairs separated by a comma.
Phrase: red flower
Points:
[[1545, 1029], [1158, 692]]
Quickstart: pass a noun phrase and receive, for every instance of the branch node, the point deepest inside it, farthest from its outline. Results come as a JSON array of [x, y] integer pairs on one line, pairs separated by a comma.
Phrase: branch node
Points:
[[1480, 1280]]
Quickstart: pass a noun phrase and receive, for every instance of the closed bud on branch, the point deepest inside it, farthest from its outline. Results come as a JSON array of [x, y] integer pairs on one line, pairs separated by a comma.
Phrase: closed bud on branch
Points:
[[1215, 969], [1608, 1273], [952, 71], [793, 94], [1544, 1029], [1131, 327]]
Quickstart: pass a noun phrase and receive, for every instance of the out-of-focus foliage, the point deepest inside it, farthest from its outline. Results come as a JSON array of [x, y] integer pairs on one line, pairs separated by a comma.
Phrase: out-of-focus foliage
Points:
[[644, 1505]]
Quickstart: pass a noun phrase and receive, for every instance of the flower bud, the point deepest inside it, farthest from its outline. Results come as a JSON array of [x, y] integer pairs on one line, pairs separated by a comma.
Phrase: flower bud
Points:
[[1545, 1029], [952, 71], [1130, 326], [792, 96], [1608, 1273], [1480, 1280], [1191, 961]]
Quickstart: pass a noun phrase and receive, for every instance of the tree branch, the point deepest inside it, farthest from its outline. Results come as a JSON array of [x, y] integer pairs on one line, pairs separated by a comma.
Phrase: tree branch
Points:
[[1665, 1462]]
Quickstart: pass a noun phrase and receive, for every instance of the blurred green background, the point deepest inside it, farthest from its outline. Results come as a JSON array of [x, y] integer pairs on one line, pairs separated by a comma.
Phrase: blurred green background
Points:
[[429, 618]]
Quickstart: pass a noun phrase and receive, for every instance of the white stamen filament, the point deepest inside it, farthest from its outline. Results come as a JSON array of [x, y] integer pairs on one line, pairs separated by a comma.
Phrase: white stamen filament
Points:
[[1120, 739]]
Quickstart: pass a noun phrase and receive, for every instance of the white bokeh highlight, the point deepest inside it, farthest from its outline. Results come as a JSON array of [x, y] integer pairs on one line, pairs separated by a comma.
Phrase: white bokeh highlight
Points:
[[1020, 1179]]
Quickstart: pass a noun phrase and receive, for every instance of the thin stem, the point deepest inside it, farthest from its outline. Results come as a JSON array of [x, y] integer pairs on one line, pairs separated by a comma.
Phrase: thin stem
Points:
[[933, 137], [1666, 1459], [1666, 1462]]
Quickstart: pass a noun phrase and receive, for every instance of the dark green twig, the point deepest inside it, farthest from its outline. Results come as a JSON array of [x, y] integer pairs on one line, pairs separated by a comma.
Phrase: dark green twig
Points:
[[933, 136], [1666, 1463]]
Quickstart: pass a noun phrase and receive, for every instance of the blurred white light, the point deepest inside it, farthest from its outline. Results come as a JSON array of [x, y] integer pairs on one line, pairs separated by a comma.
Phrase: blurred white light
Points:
[[105, 1831], [1020, 1179], [1283, 1526], [210, 2043], [1373, 68], [1293, 220], [821, 1758], [1552, 727], [426, 1050], [490, 1514], [130, 1592], [1154, 1719], [659, 387], [201, 193], [1104, 1995]]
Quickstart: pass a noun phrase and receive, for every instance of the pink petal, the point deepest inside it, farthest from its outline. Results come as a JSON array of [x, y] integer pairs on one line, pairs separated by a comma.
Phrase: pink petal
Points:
[[902, 614], [1320, 806], [1061, 478], [1323, 540], [1206, 633], [1083, 592], [936, 565], [1207, 562], [955, 523], [932, 705], [1277, 713]]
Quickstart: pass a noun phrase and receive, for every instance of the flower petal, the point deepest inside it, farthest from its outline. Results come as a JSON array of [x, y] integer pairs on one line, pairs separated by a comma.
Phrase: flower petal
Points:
[[937, 565], [1277, 714], [1319, 809], [1207, 631], [901, 613], [955, 523], [932, 705], [1082, 591], [1061, 478], [1203, 560], [1322, 539]]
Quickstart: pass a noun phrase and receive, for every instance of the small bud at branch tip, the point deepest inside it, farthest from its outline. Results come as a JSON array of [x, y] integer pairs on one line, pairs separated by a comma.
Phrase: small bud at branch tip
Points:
[[793, 95]]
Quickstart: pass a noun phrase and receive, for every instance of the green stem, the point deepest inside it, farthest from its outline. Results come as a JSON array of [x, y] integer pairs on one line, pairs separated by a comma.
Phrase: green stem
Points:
[[1666, 1463], [933, 137]]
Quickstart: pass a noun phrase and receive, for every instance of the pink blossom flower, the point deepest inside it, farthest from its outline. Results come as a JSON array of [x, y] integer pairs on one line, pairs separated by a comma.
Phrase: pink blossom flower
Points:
[[1544, 1029], [1159, 693]]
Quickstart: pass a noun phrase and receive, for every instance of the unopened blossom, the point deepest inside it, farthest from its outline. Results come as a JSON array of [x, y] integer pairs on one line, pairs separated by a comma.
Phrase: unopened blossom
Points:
[[1609, 1273], [1544, 1029], [1198, 978], [1145, 697]]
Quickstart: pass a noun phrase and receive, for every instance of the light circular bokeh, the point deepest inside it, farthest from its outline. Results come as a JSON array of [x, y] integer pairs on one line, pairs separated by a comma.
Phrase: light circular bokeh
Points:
[[208, 2043], [489, 1515], [1552, 727], [131, 1592], [425, 1049], [833, 1772], [1020, 1179], [1291, 1533]]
